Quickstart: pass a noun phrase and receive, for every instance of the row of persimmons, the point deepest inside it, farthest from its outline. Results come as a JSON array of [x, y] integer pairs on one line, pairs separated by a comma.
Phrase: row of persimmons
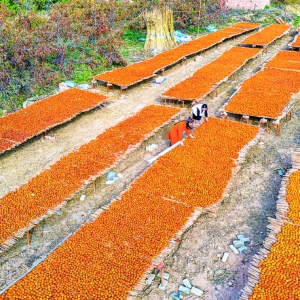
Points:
[[280, 270], [106, 258], [72, 172]]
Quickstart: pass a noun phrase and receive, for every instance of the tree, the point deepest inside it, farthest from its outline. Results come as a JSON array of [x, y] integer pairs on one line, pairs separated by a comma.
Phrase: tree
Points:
[[285, 3]]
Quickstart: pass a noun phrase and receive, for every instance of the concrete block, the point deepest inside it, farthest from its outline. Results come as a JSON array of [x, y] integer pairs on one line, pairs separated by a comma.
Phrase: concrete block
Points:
[[196, 291], [187, 283], [245, 240], [234, 250], [184, 289], [238, 244], [240, 236], [110, 181], [163, 287], [224, 257], [166, 275], [150, 278], [242, 249], [175, 296]]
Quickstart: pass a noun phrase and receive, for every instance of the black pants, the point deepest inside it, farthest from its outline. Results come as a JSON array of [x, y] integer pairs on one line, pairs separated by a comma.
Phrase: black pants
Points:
[[198, 118]]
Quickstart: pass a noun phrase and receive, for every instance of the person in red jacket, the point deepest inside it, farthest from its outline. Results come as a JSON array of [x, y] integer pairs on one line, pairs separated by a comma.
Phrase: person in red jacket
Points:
[[175, 133]]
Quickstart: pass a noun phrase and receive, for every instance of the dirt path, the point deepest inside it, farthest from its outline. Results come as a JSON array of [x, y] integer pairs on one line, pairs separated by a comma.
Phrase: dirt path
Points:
[[217, 230]]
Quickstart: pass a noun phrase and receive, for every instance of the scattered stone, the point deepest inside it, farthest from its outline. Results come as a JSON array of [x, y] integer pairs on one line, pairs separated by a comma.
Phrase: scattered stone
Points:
[[245, 240], [238, 244], [166, 275], [150, 278], [187, 283], [234, 250], [242, 249], [184, 289], [175, 296], [230, 283], [151, 147], [225, 256], [163, 287], [196, 291], [82, 197]]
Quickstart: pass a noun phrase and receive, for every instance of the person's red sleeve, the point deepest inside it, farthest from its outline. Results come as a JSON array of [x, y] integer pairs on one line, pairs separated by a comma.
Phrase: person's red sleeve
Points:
[[187, 131]]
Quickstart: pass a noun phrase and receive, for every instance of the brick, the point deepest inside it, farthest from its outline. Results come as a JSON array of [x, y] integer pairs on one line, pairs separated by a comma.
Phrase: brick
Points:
[[187, 283], [184, 289], [196, 291]]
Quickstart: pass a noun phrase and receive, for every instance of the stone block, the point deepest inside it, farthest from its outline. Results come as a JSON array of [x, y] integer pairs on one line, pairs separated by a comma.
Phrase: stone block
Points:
[[238, 244], [166, 275], [196, 291], [240, 236], [224, 257], [184, 289], [150, 278], [242, 249], [163, 287], [187, 283], [175, 296], [234, 250]]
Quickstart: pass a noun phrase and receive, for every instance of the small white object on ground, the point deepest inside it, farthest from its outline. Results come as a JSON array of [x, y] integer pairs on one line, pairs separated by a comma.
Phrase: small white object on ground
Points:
[[151, 147], [234, 250], [150, 278], [196, 291], [224, 257], [110, 181], [82, 197], [187, 283], [243, 249], [48, 137]]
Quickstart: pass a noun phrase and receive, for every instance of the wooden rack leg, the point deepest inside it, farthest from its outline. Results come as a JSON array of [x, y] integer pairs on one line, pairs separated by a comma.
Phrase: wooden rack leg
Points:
[[28, 237], [39, 230], [278, 129], [108, 85], [43, 135], [163, 72], [288, 116], [94, 186]]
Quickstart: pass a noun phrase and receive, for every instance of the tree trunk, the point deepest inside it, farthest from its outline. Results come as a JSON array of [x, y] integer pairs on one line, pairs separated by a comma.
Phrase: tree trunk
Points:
[[160, 30]]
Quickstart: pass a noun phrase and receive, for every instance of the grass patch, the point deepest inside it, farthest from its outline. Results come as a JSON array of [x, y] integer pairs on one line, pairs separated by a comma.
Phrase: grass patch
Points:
[[133, 42]]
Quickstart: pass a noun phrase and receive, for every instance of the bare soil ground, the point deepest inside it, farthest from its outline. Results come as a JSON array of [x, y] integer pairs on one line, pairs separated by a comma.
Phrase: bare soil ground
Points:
[[197, 258]]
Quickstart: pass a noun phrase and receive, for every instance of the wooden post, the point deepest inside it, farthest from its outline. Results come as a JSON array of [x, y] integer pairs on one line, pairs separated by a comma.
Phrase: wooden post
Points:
[[124, 87], [39, 229], [28, 237], [264, 121], [108, 85], [163, 72], [276, 126], [161, 268], [245, 118], [94, 186], [288, 116]]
